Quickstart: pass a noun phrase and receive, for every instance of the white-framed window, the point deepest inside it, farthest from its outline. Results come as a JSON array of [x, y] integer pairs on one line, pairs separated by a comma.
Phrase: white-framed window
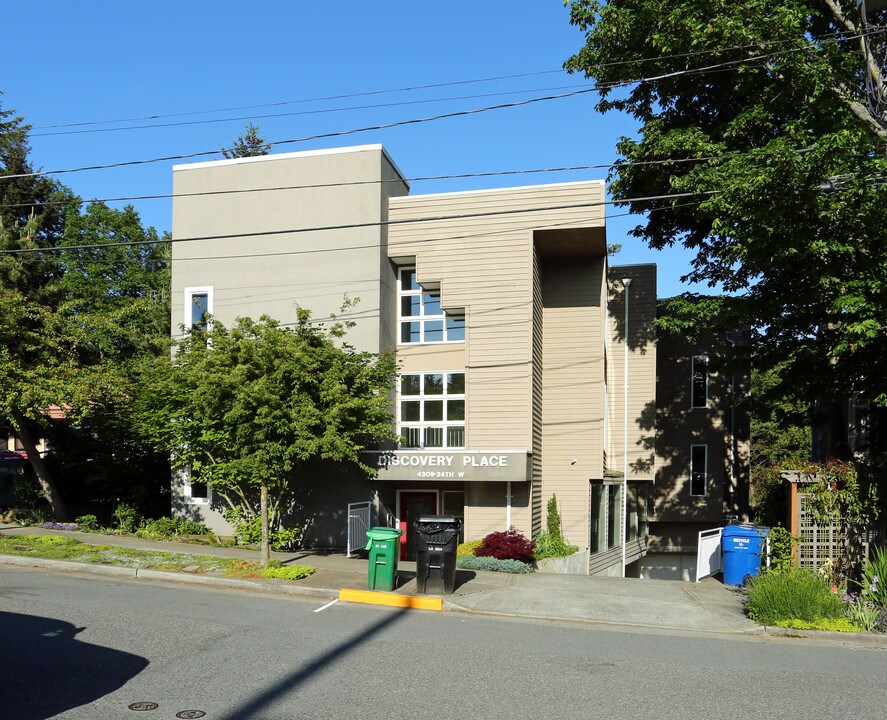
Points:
[[699, 382], [431, 410], [198, 307], [196, 491], [699, 470], [419, 314]]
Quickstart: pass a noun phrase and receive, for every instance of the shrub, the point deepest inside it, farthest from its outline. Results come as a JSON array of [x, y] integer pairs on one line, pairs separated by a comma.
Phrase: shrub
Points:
[[796, 594], [87, 523], [288, 572], [170, 527], [248, 531], [831, 624], [508, 545], [468, 549], [55, 540], [863, 614], [874, 578], [128, 519], [469, 562], [782, 549], [551, 543], [548, 546]]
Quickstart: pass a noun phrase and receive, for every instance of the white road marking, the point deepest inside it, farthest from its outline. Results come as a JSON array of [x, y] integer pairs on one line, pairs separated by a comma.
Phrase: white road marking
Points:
[[329, 604]]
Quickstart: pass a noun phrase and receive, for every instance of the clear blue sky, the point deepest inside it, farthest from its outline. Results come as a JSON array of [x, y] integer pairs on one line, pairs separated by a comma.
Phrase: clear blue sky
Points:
[[97, 61]]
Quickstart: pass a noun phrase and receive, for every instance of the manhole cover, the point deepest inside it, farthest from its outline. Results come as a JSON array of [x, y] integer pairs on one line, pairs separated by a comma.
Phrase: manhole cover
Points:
[[187, 714], [144, 706]]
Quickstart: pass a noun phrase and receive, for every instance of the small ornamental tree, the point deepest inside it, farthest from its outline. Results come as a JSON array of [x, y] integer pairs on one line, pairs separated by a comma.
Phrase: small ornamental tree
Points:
[[246, 408], [508, 545]]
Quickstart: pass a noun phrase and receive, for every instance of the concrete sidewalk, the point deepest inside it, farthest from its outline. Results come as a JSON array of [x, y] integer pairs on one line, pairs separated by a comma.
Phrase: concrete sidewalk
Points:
[[708, 606]]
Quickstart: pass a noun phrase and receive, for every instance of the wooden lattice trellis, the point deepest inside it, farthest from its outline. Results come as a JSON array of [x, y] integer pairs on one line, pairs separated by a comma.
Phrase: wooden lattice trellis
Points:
[[818, 542]]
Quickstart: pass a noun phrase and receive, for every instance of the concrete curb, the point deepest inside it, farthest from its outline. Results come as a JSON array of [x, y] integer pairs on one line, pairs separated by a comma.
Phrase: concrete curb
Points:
[[68, 566], [271, 587], [453, 606], [869, 639]]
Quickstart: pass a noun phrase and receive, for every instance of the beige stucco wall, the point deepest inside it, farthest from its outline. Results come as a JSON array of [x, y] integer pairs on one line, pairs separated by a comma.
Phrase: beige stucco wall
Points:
[[252, 246], [239, 227]]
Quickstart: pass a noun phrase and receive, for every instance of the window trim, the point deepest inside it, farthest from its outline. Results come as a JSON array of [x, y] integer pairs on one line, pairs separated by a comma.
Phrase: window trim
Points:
[[705, 478], [695, 402], [421, 398], [422, 318], [190, 292], [186, 491]]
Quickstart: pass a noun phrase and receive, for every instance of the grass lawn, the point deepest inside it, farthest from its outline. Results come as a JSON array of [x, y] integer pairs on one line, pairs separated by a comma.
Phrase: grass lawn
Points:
[[56, 547]]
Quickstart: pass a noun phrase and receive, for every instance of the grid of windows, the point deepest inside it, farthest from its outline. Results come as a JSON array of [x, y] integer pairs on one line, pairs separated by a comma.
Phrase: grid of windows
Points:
[[699, 382], [431, 410], [420, 316], [698, 469]]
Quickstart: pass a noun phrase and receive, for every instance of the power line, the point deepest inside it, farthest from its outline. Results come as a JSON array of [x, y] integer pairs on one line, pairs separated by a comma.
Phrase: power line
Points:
[[344, 96], [382, 181], [352, 226], [321, 111], [414, 121], [413, 88]]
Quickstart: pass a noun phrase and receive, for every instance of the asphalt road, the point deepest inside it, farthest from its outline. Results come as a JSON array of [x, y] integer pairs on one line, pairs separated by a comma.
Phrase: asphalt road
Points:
[[85, 647]]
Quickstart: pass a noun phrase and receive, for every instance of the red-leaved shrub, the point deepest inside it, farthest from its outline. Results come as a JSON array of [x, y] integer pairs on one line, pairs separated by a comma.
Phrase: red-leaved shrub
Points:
[[510, 545]]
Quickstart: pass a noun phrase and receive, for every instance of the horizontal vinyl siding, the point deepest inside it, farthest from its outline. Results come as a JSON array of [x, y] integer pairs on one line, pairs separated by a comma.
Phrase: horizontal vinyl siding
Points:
[[572, 387], [484, 264]]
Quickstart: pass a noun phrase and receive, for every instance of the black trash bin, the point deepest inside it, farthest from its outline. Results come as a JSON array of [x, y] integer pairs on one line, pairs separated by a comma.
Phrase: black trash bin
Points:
[[436, 539]]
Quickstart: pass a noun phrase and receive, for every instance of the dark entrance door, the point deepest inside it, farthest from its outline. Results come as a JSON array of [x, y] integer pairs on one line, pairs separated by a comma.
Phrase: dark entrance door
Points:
[[413, 505]]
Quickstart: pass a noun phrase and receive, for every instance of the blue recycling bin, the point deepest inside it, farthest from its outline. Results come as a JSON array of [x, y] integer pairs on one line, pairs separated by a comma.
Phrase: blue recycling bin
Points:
[[743, 546]]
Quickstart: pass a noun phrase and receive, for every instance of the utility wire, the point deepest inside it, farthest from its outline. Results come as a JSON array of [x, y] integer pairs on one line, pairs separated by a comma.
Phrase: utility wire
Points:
[[320, 111], [414, 121], [382, 181], [413, 88], [352, 226]]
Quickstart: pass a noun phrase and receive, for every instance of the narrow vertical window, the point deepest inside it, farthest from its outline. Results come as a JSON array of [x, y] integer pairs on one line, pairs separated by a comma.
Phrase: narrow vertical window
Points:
[[614, 515], [196, 489], [699, 382], [698, 469], [198, 308]]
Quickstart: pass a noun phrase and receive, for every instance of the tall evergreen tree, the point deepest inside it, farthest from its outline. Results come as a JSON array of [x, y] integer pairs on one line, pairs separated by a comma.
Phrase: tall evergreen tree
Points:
[[247, 144]]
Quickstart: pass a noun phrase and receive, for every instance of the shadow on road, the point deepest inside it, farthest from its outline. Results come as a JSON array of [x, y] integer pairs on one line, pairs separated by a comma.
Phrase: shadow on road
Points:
[[45, 670], [254, 708]]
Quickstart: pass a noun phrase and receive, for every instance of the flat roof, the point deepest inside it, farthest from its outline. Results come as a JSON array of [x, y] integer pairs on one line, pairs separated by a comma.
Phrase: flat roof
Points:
[[378, 147]]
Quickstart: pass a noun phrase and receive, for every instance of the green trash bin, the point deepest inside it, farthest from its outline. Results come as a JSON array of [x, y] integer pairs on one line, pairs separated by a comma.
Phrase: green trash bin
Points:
[[384, 547]]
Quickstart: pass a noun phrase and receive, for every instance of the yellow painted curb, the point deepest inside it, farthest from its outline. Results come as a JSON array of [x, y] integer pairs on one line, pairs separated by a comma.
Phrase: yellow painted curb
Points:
[[372, 597]]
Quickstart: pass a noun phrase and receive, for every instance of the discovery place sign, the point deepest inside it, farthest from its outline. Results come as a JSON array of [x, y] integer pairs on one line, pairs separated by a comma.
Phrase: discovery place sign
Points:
[[467, 465]]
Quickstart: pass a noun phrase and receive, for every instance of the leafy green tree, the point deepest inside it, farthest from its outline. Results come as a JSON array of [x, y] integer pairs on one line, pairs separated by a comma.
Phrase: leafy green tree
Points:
[[247, 144], [755, 113], [71, 323], [245, 409]]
